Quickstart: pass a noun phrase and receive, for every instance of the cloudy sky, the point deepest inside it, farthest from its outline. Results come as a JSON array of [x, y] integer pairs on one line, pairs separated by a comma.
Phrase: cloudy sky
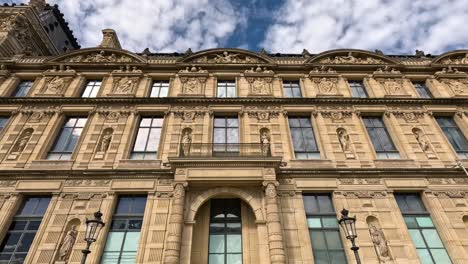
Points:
[[286, 26]]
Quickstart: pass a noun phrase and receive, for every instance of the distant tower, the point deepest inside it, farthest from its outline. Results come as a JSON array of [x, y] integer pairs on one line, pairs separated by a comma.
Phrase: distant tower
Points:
[[34, 29]]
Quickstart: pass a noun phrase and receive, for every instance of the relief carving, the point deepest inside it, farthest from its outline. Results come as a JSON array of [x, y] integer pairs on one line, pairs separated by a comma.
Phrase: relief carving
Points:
[[55, 85], [265, 140], [326, 86], [104, 143], [189, 113], [193, 85], [378, 239], [345, 143], [392, 86], [113, 115], [351, 59], [336, 115], [457, 85], [101, 57], [423, 142], [124, 85], [260, 86], [263, 114], [227, 57], [7, 23], [67, 244], [456, 60], [21, 143]]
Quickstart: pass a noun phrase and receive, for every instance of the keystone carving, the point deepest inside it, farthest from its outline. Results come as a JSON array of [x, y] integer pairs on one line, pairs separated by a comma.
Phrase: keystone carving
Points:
[[113, 115]]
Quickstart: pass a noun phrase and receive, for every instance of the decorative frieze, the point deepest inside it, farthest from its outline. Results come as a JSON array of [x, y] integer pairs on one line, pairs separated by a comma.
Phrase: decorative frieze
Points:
[[326, 86], [451, 193], [458, 86], [392, 86], [350, 58], [112, 115], [38, 114], [101, 57], [364, 181], [463, 59], [188, 113], [362, 194], [444, 181], [262, 113], [226, 57], [91, 183]]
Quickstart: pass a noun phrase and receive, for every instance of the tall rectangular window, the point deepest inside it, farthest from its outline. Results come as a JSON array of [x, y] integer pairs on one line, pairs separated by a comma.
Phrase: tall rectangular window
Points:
[[383, 144], [159, 89], [23, 229], [357, 89], [422, 90], [302, 134], [454, 135], [3, 122], [23, 89], [226, 89], [147, 139], [91, 89], [225, 240], [292, 89], [124, 233], [423, 233], [226, 134], [67, 139], [324, 230]]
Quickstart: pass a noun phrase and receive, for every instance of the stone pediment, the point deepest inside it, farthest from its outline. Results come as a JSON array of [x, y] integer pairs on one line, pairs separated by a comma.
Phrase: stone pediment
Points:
[[99, 55], [227, 56], [350, 57], [457, 57]]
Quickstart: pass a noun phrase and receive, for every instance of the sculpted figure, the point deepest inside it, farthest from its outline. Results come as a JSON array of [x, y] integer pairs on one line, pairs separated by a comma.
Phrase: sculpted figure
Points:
[[423, 143], [191, 87], [105, 140], [186, 142], [380, 243], [67, 245], [465, 59], [347, 59], [56, 85], [226, 58], [7, 23], [22, 141], [124, 86], [392, 87], [265, 141], [343, 137]]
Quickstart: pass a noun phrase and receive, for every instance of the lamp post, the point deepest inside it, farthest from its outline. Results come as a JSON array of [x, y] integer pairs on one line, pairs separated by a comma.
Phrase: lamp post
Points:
[[93, 227], [348, 224]]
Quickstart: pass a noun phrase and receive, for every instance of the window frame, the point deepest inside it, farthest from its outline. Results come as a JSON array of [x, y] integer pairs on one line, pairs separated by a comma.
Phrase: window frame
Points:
[[58, 134], [226, 87], [461, 154], [94, 86], [135, 137], [291, 88], [7, 123], [227, 147], [317, 153], [388, 154], [28, 92], [364, 88], [159, 87], [425, 88]]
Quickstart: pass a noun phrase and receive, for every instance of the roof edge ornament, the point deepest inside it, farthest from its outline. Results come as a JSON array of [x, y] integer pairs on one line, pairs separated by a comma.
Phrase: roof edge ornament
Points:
[[227, 56], [351, 57], [456, 57], [99, 55], [110, 39]]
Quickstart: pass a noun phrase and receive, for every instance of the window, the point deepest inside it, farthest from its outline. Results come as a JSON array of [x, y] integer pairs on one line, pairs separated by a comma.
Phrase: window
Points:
[[91, 89], [357, 89], [23, 229], [23, 88], [425, 238], [324, 230], [67, 139], [380, 138], [147, 139], [292, 89], [226, 89], [225, 240], [3, 122], [159, 89], [302, 134], [226, 134], [124, 232], [422, 90], [454, 135]]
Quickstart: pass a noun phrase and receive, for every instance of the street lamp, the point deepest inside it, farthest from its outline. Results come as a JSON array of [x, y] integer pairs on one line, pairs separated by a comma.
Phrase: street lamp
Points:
[[93, 227], [348, 224]]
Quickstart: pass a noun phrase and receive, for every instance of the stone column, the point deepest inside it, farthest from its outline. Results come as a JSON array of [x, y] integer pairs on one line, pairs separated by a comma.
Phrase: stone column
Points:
[[176, 222], [275, 235]]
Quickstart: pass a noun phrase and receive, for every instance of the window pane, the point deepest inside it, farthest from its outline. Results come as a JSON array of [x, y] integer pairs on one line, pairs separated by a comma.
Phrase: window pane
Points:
[[110, 257], [432, 238], [234, 259], [216, 244], [318, 240], [424, 221], [330, 222], [338, 257], [425, 256], [234, 244], [131, 241], [314, 222], [216, 259], [417, 238], [440, 256], [325, 204], [333, 240], [140, 143], [153, 139], [114, 241]]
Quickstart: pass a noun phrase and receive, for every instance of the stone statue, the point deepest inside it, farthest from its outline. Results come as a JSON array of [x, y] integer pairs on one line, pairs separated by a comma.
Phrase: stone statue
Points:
[[186, 142], [265, 141], [105, 140], [67, 245], [22, 141], [226, 57], [343, 137], [380, 243], [124, 86], [419, 135], [55, 86]]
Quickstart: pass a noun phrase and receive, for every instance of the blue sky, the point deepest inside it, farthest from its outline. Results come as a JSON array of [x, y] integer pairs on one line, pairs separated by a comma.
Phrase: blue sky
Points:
[[286, 26]]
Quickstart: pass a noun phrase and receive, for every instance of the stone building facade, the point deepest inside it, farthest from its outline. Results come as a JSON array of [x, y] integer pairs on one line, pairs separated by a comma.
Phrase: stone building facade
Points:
[[233, 156]]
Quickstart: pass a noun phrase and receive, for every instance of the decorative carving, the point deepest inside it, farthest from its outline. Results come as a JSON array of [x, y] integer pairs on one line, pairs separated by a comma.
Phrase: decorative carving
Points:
[[260, 85], [322, 70], [451, 193], [265, 140], [193, 85], [186, 141], [365, 181], [259, 70], [378, 239], [7, 23], [127, 69], [7, 183], [55, 85], [21, 143], [351, 59], [345, 143], [275, 237], [67, 244], [457, 85], [336, 114], [102, 57], [387, 70], [326, 86], [76, 183], [124, 85], [175, 225], [193, 69], [363, 194], [37, 114], [104, 143], [392, 86], [423, 142], [263, 114], [113, 115], [457, 60], [227, 57], [188, 114], [448, 71]]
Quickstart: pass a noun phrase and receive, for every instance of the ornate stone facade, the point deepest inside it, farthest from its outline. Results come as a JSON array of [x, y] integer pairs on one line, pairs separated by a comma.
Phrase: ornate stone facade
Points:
[[264, 172]]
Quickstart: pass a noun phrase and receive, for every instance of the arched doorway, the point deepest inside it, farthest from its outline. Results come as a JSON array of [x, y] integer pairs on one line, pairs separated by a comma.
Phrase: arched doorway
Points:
[[225, 232]]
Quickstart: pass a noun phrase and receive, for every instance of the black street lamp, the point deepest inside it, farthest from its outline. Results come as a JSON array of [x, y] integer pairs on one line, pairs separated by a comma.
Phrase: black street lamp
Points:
[[93, 227], [348, 224]]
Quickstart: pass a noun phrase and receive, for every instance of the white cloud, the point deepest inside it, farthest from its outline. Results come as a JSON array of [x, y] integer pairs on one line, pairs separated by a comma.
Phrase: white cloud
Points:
[[163, 25], [394, 26]]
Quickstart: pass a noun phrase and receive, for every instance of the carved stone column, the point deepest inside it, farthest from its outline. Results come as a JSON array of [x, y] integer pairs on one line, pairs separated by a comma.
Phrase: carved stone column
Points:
[[176, 221], [275, 235]]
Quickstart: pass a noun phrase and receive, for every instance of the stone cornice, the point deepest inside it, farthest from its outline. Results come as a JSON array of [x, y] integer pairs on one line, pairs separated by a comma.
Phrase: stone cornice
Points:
[[373, 172], [239, 100]]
